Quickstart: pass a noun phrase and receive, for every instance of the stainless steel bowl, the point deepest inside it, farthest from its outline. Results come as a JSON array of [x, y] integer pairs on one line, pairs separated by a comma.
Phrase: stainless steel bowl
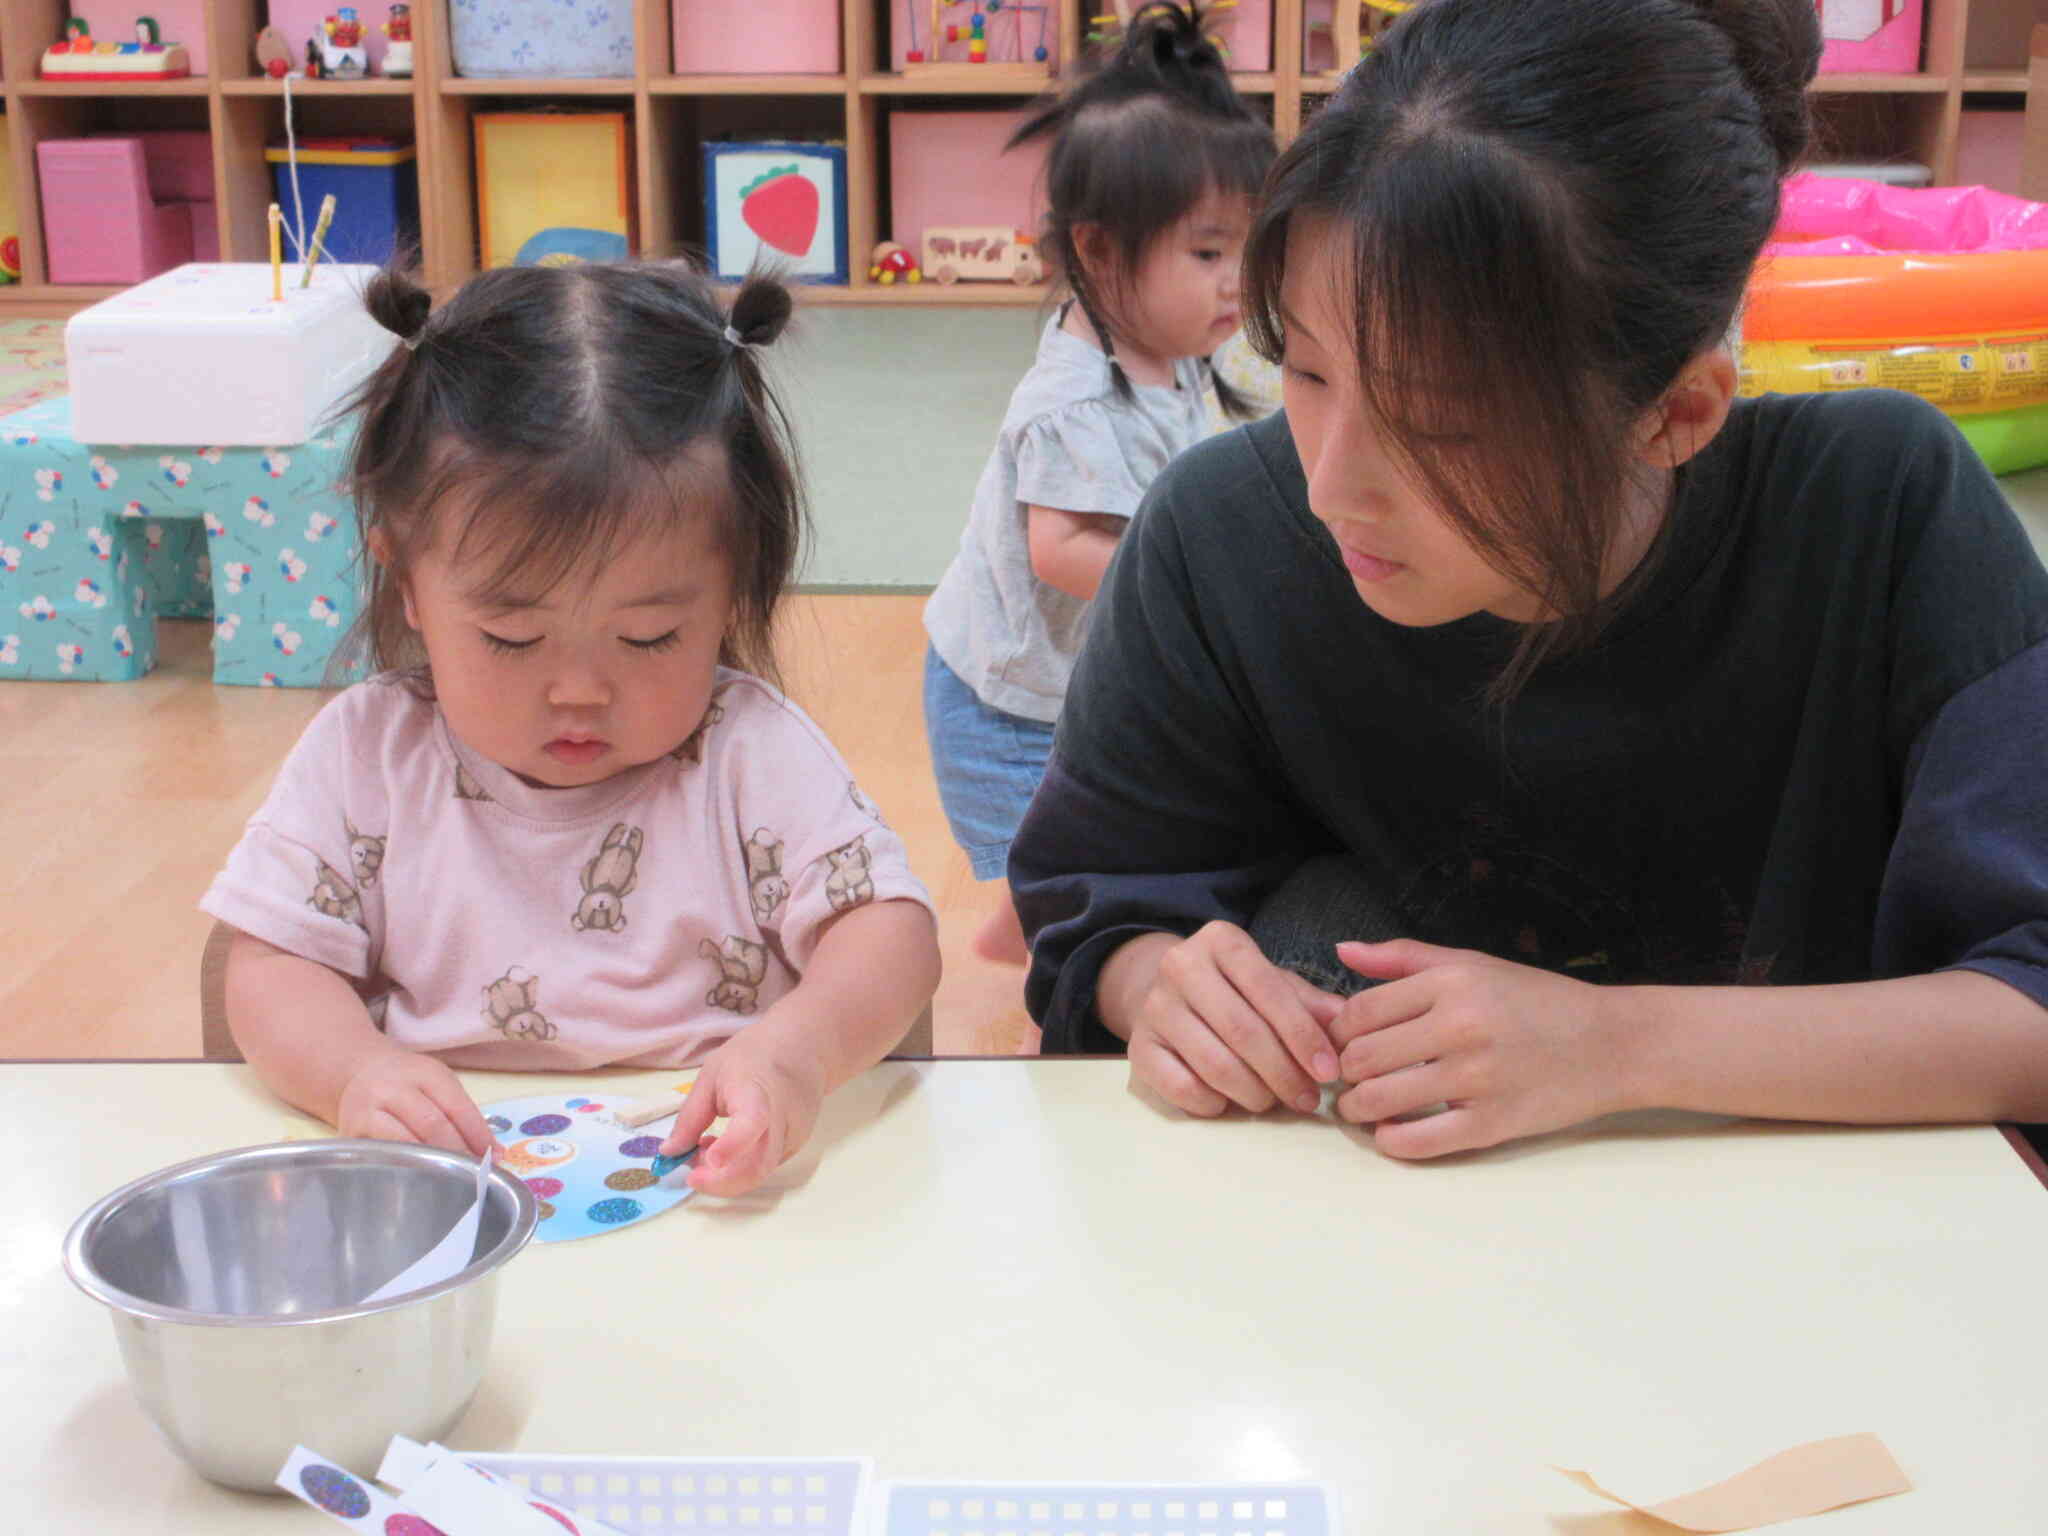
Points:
[[236, 1285]]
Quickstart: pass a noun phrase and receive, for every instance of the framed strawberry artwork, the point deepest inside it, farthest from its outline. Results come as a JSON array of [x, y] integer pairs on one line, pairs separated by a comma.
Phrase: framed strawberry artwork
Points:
[[780, 204]]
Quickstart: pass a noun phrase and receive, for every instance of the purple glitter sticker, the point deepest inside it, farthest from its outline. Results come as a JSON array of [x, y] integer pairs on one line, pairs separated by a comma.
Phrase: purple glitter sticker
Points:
[[640, 1146], [544, 1125], [335, 1491]]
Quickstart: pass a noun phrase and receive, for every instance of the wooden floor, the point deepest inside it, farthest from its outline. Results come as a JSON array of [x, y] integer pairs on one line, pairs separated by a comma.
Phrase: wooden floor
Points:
[[122, 799]]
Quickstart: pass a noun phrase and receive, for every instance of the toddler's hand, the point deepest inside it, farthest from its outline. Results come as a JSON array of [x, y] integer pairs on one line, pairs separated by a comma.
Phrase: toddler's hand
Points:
[[400, 1095], [1221, 1025], [769, 1104]]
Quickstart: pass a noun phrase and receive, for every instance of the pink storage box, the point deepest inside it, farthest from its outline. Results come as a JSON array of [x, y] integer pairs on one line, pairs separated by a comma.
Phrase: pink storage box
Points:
[[949, 168], [1870, 37], [764, 37], [104, 221], [178, 21], [301, 19]]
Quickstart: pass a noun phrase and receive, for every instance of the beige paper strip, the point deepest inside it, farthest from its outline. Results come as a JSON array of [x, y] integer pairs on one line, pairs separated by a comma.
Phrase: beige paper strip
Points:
[[1821, 1475]]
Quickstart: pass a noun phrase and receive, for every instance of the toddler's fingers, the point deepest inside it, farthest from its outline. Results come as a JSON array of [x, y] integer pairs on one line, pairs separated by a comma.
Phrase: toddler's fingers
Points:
[[463, 1116], [734, 1163], [425, 1122], [700, 1108]]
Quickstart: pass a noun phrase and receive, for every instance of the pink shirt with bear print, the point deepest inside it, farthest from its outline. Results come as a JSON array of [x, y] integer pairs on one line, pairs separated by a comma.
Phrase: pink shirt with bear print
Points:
[[640, 921]]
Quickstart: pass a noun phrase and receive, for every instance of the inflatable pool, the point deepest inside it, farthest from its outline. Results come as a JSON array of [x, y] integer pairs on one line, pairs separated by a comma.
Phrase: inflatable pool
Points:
[[1940, 292]]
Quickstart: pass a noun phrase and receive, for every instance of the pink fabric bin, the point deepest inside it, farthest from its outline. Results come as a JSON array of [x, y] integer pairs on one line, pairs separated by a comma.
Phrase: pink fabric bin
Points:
[[1870, 37], [764, 37], [950, 168], [100, 222]]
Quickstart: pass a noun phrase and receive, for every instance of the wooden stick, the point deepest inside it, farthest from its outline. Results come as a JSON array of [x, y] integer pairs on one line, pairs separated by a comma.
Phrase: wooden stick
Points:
[[276, 254], [319, 234], [657, 1109]]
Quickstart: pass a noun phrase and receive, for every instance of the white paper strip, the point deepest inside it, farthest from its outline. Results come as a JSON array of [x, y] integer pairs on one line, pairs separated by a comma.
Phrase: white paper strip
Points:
[[407, 1461], [347, 1499], [450, 1256]]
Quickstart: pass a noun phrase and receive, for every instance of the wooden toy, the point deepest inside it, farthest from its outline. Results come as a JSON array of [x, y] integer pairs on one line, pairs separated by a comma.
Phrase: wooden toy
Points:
[[989, 253], [398, 45], [891, 263], [1029, 42], [273, 53], [81, 57], [343, 55]]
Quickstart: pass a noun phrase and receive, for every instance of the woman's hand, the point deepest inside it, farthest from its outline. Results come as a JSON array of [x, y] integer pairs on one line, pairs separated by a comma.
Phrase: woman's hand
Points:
[[770, 1103], [400, 1095], [1509, 1049], [1220, 1024]]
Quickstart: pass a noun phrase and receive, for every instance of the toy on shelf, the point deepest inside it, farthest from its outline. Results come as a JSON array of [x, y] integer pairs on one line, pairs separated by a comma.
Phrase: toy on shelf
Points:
[[343, 54], [981, 253], [1030, 61], [398, 48], [891, 263], [273, 53], [80, 57], [313, 67]]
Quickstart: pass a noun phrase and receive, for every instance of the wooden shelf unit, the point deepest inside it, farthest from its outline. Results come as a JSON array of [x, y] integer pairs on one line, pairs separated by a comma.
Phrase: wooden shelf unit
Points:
[[1975, 46]]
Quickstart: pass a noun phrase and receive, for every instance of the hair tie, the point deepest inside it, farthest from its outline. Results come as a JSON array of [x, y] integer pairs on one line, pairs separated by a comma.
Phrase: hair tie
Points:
[[735, 340], [412, 343]]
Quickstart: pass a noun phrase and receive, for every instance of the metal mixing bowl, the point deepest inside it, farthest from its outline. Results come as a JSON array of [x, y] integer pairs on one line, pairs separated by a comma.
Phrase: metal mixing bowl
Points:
[[236, 1283]]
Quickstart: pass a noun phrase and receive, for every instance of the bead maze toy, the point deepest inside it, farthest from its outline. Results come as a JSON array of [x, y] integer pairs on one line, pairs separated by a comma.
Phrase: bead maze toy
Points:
[[1028, 60], [79, 56]]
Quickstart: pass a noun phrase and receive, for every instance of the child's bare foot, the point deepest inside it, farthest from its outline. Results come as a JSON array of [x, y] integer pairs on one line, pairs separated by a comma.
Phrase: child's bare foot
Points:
[[1001, 938]]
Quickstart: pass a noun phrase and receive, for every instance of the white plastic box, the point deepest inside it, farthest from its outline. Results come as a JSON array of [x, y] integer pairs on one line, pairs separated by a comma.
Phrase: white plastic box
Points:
[[203, 356]]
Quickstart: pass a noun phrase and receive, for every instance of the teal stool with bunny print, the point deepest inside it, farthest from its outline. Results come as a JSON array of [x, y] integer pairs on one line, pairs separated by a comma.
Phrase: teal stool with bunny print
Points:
[[97, 543]]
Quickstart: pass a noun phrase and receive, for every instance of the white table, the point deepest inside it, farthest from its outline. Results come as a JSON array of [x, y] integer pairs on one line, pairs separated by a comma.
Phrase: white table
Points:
[[1017, 1269]]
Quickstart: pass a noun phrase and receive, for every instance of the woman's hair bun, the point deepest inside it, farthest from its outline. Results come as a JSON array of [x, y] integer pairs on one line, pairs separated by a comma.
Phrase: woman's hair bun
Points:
[[1777, 47], [398, 303], [761, 310]]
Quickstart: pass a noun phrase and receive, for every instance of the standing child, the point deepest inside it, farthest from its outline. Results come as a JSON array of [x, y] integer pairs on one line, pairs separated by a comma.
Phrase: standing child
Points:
[[1647, 746], [1153, 167], [569, 824]]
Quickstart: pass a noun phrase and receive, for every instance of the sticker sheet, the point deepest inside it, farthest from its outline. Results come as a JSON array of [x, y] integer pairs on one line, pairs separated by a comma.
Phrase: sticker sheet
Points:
[[695, 1496], [591, 1174], [1107, 1509]]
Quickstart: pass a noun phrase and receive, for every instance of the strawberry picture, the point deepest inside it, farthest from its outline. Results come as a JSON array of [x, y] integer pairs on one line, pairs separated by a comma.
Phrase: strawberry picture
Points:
[[781, 207]]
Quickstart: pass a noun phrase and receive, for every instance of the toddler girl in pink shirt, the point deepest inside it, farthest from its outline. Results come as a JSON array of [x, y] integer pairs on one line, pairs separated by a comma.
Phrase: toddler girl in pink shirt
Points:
[[570, 822]]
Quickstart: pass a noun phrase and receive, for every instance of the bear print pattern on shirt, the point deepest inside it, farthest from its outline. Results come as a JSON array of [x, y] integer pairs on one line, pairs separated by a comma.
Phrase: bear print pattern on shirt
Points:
[[608, 879]]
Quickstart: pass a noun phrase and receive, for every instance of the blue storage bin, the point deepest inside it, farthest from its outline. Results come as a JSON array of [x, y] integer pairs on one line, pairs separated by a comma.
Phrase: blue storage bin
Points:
[[513, 39], [376, 190]]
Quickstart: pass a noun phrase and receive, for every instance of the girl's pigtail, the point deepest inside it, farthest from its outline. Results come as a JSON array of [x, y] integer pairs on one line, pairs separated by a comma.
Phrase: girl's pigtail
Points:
[[399, 304], [1234, 404], [760, 312]]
